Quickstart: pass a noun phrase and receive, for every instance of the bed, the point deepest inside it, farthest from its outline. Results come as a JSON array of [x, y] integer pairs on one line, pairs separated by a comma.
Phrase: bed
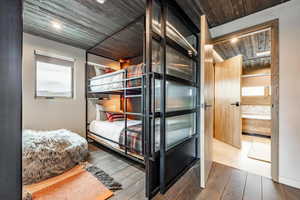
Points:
[[113, 133], [50, 153], [116, 80]]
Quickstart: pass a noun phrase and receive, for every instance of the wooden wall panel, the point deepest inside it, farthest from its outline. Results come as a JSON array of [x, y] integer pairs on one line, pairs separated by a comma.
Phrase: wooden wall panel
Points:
[[257, 126], [257, 71], [112, 104], [256, 81], [256, 100]]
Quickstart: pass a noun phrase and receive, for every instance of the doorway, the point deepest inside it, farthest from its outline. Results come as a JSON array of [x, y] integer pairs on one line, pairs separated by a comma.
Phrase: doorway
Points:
[[246, 99]]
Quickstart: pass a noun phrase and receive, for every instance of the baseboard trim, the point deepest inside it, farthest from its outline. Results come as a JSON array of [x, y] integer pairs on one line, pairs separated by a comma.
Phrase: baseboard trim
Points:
[[257, 135], [290, 182]]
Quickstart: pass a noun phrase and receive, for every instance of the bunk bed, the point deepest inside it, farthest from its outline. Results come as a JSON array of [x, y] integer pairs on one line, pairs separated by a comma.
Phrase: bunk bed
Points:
[[123, 134], [163, 130]]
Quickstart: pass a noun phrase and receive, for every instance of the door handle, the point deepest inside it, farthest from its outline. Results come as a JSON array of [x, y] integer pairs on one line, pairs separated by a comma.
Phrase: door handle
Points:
[[237, 104], [205, 106]]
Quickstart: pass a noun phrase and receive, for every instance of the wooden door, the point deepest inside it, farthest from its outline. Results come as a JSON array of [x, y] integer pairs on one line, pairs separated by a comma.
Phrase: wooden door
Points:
[[207, 101], [227, 101]]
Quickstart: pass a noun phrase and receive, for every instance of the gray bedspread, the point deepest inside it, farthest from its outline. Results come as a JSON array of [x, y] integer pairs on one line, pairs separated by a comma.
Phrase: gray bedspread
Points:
[[50, 153]]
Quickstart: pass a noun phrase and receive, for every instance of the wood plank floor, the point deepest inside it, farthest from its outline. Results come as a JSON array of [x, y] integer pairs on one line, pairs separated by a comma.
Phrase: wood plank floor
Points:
[[129, 174], [227, 183], [238, 158], [224, 183]]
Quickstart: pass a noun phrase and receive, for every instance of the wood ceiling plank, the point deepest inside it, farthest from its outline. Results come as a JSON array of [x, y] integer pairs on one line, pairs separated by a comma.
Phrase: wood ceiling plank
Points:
[[194, 9], [40, 19], [243, 47], [226, 11], [248, 46], [219, 12], [84, 22], [238, 8], [125, 44]]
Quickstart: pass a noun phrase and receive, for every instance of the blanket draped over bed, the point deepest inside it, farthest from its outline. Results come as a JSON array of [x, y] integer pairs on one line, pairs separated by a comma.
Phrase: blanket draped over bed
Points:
[[134, 139], [176, 131], [50, 153], [132, 72]]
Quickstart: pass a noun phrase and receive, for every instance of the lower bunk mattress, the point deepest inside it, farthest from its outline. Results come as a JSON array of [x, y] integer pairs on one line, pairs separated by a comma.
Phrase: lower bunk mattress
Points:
[[176, 131]]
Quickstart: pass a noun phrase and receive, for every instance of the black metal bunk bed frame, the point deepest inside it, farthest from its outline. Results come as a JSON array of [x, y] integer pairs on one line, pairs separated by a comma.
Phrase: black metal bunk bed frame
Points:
[[126, 92], [155, 162]]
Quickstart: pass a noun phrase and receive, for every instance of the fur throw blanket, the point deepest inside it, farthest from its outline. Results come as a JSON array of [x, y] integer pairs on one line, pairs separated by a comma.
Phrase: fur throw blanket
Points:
[[50, 153]]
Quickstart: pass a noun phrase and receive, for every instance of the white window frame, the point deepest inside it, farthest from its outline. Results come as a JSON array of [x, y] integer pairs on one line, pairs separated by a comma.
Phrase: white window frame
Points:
[[261, 87], [56, 57]]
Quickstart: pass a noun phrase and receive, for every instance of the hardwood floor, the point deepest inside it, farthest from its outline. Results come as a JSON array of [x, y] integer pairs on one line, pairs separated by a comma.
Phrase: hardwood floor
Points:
[[227, 183], [238, 158], [224, 183], [129, 174]]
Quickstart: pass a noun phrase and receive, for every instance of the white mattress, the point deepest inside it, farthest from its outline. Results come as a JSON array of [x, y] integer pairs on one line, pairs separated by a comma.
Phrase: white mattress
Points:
[[110, 130], [111, 81]]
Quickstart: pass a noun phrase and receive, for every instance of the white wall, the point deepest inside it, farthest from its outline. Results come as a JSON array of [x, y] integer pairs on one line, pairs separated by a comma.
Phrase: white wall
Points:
[[43, 114], [289, 112]]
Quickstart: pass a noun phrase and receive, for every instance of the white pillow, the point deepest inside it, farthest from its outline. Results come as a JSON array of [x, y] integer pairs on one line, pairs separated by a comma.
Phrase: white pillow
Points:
[[100, 115]]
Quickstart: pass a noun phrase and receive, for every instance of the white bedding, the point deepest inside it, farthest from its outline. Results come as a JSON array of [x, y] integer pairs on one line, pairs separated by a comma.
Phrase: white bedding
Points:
[[110, 130], [113, 80]]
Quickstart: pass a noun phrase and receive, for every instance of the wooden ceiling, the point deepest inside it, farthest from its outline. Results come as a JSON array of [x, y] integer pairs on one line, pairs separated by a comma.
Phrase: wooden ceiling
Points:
[[248, 46], [125, 44], [85, 23], [219, 12]]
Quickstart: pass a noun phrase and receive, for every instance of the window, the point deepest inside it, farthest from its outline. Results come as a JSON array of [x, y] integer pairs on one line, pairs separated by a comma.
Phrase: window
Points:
[[253, 91], [54, 76]]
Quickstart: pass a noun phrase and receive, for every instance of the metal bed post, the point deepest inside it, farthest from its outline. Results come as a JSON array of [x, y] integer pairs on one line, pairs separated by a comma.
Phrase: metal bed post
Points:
[[125, 110], [151, 186], [86, 95], [143, 110], [163, 45]]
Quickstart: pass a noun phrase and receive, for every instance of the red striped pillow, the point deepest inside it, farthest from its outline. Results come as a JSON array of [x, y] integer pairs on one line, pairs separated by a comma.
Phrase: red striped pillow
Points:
[[114, 117]]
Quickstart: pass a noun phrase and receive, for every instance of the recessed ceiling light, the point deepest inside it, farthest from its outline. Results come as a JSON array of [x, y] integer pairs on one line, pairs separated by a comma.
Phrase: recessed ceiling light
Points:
[[56, 25], [101, 1], [234, 40], [264, 53]]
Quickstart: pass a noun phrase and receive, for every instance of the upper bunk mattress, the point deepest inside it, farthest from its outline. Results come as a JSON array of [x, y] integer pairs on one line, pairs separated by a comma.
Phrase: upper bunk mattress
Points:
[[107, 82], [116, 80]]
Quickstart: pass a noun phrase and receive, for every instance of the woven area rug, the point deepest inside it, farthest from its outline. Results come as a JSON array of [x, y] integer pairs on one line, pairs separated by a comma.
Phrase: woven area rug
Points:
[[82, 182]]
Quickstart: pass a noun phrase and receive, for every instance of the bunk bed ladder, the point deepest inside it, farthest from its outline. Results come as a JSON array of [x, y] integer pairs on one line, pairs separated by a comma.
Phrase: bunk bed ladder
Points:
[[126, 96]]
